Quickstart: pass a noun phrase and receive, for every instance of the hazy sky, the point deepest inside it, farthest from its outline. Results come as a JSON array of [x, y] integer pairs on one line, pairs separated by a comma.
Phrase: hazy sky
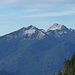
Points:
[[15, 14]]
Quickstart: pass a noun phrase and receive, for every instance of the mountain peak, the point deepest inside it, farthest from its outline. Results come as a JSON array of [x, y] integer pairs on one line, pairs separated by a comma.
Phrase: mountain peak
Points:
[[31, 27], [57, 26], [30, 30]]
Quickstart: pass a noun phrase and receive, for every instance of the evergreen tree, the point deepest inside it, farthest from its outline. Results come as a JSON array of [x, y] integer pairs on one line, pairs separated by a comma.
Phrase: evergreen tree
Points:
[[72, 59], [66, 67], [59, 73], [69, 67]]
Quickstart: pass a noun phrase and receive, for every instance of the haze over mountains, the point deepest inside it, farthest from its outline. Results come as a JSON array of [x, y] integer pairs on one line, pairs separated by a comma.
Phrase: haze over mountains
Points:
[[33, 51]]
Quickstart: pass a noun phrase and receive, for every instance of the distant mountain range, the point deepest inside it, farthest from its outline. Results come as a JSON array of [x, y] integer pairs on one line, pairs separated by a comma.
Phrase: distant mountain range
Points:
[[33, 51]]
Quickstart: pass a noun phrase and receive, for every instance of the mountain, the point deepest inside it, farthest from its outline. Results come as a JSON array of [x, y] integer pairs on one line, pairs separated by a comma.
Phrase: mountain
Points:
[[30, 32], [33, 51], [57, 27], [58, 30]]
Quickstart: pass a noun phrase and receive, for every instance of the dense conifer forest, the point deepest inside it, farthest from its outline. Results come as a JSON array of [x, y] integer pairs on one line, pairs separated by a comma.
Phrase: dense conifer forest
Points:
[[69, 66]]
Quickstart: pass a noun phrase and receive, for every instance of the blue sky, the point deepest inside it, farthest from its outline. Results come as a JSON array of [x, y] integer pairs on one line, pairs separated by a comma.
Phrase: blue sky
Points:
[[15, 14]]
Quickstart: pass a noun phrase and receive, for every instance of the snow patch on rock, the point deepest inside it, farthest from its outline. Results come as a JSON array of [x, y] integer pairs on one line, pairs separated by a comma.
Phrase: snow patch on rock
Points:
[[55, 27], [30, 31]]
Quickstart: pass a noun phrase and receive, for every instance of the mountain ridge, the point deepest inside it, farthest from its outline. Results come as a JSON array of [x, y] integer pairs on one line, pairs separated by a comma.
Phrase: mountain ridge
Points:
[[32, 31], [40, 53]]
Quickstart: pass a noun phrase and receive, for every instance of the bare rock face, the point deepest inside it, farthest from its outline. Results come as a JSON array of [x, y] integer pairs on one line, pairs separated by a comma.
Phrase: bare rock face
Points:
[[58, 30], [57, 27], [27, 33]]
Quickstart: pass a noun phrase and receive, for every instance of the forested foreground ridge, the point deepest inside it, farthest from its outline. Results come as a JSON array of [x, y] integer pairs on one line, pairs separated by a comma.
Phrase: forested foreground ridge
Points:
[[69, 66]]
